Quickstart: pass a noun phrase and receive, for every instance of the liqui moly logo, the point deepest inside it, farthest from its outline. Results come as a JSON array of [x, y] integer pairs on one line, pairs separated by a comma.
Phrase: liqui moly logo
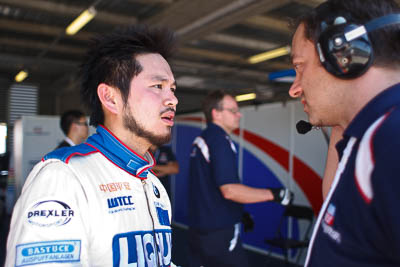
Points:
[[142, 248]]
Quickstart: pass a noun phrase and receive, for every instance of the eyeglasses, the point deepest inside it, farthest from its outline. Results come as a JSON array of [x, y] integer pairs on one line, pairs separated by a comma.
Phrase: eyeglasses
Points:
[[234, 111], [84, 123]]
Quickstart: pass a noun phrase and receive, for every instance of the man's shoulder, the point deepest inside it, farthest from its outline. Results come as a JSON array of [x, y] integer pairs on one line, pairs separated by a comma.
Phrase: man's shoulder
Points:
[[66, 153], [213, 135], [383, 135], [63, 144], [389, 126]]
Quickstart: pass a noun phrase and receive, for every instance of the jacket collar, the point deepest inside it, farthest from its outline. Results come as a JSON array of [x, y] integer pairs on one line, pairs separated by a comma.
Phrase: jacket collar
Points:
[[119, 154]]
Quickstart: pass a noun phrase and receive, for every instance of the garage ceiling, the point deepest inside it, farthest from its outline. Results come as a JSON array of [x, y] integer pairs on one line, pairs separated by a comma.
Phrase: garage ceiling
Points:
[[216, 38]]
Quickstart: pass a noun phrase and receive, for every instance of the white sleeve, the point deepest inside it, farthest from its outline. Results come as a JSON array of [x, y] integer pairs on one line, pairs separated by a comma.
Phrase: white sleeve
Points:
[[49, 221]]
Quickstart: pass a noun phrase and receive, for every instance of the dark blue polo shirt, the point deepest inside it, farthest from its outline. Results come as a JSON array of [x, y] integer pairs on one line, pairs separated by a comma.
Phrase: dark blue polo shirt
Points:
[[208, 209], [360, 225], [164, 155]]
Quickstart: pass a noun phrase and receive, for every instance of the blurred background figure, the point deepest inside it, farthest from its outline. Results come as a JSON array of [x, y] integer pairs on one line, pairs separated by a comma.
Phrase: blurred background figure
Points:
[[75, 127], [216, 194], [166, 165]]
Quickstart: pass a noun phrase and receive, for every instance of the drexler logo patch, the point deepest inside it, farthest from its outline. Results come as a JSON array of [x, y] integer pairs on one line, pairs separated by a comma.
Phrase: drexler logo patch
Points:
[[50, 213]]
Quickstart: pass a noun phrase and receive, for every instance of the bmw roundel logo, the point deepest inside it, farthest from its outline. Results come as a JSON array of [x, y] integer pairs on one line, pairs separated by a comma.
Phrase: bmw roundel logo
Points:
[[156, 192]]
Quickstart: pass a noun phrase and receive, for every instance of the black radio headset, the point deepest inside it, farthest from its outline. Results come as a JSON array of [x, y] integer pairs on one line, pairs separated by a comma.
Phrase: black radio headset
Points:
[[345, 50]]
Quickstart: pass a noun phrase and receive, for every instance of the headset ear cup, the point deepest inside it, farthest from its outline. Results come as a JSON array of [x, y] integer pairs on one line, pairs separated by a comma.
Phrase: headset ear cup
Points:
[[341, 58]]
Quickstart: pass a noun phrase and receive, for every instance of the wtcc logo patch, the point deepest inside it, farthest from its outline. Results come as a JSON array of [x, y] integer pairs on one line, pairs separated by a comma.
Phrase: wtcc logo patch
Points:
[[49, 213], [122, 203]]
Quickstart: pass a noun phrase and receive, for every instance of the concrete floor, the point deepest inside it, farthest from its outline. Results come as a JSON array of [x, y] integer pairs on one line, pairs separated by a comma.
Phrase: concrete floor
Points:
[[180, 252]]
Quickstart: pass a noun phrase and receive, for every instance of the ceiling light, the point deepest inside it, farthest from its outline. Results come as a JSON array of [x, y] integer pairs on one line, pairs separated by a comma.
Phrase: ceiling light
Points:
[[81, 21], [269, 55], [21, 76], [245, 97]]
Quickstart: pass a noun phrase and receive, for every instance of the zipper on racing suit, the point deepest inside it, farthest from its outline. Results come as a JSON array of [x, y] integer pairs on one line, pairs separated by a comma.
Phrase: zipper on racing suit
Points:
[[152, 219]]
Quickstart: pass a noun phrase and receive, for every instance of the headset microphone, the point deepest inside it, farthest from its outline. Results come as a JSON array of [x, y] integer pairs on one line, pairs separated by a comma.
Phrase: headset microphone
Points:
[[303, 127]]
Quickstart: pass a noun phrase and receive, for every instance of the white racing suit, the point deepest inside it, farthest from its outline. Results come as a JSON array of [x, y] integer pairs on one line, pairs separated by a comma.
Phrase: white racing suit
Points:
[[95, 204]]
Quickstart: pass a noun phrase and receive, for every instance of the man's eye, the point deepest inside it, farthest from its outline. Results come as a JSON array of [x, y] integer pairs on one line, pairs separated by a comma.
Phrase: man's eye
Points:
[[158, 86], [173, 89]]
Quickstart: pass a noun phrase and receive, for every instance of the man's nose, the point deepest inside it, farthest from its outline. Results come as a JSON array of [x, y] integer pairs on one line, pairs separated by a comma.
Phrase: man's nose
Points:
[[295, 90]]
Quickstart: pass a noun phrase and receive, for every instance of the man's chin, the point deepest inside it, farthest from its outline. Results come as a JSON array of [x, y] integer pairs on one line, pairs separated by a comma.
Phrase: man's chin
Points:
[[316, 122], [159, 140]]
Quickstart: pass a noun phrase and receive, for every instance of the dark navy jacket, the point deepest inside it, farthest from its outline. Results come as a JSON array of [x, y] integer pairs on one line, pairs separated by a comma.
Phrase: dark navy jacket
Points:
[[213, 163], [360, 221]]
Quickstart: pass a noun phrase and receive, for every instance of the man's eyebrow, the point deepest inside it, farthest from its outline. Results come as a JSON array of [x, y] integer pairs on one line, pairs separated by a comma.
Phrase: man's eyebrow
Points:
[[161, 78], [158, 78]]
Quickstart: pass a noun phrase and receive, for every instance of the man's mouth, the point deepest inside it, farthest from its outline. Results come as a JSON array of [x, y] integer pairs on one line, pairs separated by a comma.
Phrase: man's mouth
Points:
[[168, 118]]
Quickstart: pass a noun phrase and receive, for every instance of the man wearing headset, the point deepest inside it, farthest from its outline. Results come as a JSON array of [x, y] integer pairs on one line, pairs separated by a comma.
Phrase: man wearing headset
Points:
[[347, 59]]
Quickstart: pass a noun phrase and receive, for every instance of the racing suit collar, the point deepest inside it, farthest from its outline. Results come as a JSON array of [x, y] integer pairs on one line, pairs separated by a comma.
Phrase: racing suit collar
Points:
[[119, 154]]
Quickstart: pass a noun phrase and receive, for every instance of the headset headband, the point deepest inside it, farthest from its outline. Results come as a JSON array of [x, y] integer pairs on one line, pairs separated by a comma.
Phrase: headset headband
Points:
[[372, 25], [344, 47]]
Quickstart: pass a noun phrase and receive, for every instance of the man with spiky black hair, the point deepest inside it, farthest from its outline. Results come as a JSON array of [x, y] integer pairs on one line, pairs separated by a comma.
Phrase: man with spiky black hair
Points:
[[98, 203]]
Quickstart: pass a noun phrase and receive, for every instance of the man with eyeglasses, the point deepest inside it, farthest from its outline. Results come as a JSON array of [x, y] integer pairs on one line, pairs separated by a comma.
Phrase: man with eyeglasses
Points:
[[216, 195], [75, 127]]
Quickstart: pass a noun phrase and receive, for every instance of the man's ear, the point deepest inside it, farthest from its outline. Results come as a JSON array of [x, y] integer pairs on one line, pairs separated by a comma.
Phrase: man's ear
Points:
[[109, 97], [215, 114]]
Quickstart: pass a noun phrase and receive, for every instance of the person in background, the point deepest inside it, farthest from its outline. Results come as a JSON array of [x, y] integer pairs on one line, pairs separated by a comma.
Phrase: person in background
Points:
[[166, 165], [75, 128], [347, 60], [215, 192], [98, 203]]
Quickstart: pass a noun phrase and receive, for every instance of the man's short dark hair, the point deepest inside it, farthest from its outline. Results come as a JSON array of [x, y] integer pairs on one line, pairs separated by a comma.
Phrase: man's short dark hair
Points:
[[111, 59], [68, 118], [385, 41], [213, 101]]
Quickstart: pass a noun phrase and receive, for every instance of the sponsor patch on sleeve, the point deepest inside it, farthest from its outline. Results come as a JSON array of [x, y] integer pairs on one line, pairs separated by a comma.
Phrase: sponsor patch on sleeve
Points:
[[50, 212], [49, 251]]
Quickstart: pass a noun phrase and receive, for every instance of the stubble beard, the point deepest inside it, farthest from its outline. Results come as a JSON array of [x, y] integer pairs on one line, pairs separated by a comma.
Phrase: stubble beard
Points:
[[131, 124]]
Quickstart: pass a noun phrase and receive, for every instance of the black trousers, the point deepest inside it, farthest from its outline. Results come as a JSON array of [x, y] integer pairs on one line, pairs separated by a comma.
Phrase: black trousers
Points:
[[216, 249]]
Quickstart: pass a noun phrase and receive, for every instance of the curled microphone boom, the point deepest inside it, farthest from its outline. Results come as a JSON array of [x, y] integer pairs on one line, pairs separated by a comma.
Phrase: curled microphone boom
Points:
[[303, 127]]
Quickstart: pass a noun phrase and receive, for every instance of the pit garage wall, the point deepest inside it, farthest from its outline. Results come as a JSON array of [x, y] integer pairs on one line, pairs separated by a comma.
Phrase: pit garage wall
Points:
[[34, 137], [271, 154]]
